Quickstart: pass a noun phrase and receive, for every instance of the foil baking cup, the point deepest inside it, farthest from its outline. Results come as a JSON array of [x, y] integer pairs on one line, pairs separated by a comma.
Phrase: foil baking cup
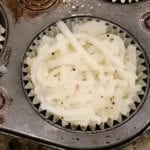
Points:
[[52, 31]]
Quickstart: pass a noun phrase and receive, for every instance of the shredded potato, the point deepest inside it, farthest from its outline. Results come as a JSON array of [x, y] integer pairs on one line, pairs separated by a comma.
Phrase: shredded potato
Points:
[[84, 76]]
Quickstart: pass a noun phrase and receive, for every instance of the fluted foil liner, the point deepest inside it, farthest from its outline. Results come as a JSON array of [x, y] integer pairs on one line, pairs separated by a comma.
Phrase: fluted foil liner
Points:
[[2, 37], [52, 31], [125, 1]]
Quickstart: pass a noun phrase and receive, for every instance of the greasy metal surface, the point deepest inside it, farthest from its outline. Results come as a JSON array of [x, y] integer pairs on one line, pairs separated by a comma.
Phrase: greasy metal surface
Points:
[[21, 119], [11, 142]]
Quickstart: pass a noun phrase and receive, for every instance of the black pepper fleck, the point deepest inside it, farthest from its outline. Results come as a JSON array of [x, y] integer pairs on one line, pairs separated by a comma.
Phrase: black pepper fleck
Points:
[[53, 53], [113, 103], [73, 69]]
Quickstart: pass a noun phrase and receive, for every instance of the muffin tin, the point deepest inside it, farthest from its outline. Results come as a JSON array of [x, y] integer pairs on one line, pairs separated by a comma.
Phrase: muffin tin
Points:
[[21, 119]]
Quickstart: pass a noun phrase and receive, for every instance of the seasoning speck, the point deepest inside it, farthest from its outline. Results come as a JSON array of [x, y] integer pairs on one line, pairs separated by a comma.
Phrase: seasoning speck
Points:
[[111, 39], [53, 53], [73, 69]]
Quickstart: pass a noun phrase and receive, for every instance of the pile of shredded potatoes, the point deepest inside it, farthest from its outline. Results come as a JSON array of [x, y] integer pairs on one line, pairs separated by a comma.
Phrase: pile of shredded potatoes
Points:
[[86, 75], [2, 38]]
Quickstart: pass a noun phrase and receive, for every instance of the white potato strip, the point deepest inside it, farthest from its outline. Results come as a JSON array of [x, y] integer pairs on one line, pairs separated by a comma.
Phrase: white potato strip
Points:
[[102, 47], [96, 28], [2, 38], [86, 57], [39, 59], [68, 113], [84, 118], [117, 41], [67, 59], [62, 42], [2, 29], [132, 63]]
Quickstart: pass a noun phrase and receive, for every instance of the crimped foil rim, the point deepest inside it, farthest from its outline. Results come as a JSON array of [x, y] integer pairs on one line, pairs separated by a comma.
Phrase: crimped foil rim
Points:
[[2, 42], [126, 1], [52, 31]]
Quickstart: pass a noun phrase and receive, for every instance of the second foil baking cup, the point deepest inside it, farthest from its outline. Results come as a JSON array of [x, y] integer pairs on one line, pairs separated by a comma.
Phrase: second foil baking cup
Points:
[[52, 31]]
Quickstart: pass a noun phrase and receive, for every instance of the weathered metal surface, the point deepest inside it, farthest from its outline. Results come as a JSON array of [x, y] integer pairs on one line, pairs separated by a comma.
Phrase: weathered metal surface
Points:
[[20, 118]]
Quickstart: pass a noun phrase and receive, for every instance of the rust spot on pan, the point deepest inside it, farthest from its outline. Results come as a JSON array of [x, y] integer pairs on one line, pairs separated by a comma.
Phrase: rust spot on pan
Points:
[[17, 11], [5, 102], [36, 5], [6, 56], [30, 8], [2, 100], [4, 60], [146, 20]]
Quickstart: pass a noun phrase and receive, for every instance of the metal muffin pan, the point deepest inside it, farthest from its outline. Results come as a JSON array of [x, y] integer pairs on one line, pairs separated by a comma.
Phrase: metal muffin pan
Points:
[[21, 119]]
